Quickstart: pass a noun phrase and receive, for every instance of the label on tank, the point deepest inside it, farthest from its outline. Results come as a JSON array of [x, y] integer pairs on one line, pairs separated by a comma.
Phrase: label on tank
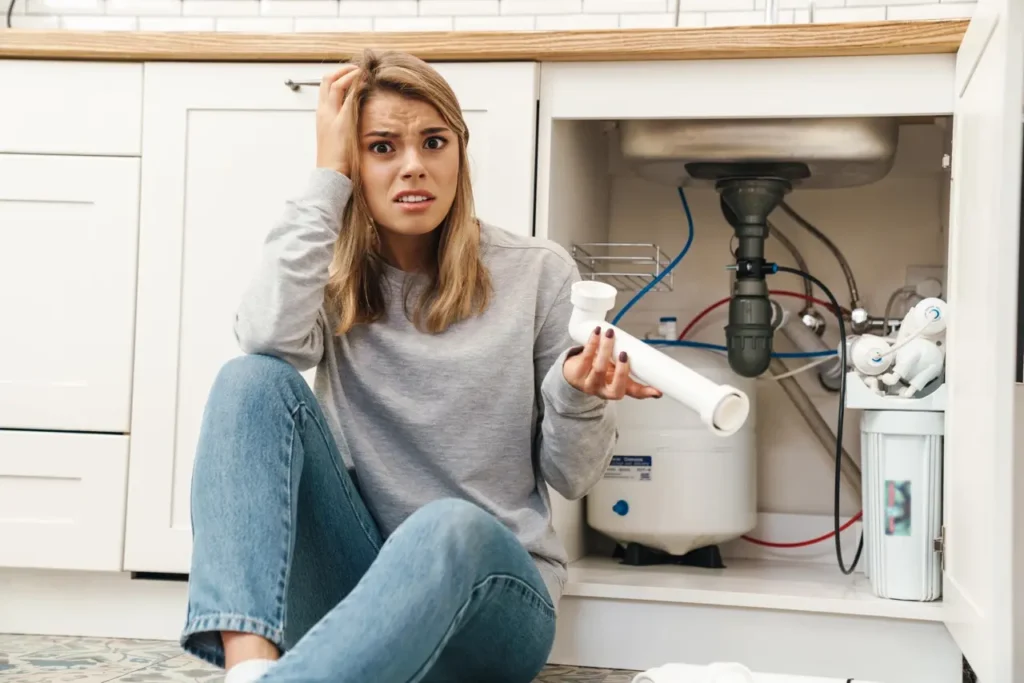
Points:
[[631, 467]]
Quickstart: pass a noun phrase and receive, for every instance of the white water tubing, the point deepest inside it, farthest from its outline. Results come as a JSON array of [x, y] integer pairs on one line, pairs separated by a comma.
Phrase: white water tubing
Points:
[[723, 409]]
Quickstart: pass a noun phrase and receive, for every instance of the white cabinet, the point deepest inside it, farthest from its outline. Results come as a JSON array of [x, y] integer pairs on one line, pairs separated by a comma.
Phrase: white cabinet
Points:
[[73, 107], [983, 503], [69, 200], [223, 147], [840, 629], [62, 500], [67, 291]]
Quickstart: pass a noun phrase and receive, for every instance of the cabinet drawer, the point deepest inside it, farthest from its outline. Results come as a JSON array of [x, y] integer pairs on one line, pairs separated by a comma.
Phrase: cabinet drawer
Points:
[[68, 232], [62, 500], [71, 107]]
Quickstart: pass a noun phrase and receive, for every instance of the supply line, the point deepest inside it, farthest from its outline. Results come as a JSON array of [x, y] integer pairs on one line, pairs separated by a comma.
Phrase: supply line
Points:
[[719, 347], [809, 542], [679, 257]]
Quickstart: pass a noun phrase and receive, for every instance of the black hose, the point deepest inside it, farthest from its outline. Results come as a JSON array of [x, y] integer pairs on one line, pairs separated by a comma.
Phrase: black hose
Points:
[[788, 245], [839, 420]]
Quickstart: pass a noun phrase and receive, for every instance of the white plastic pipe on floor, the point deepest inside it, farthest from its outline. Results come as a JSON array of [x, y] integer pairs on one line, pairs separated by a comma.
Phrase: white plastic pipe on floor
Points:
[[727, 672]]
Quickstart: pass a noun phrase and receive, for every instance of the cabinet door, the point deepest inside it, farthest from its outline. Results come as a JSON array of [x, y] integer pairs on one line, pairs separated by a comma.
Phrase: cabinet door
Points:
[[223, 147], [62, 500], [68, 240], [983, 498]]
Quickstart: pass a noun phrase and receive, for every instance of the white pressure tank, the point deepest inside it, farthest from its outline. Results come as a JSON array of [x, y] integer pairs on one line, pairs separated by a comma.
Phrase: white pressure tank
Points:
[[672, 484]]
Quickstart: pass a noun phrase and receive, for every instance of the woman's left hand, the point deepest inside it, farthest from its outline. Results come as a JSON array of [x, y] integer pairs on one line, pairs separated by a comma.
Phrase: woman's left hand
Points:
[[592, 370]]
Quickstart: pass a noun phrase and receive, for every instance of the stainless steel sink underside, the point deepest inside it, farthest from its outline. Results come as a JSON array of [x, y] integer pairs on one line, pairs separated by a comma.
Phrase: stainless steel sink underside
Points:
[[832, 153]]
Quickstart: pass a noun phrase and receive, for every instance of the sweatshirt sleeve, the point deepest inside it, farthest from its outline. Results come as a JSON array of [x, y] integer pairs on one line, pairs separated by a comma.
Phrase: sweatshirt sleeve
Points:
[[281, 313], [577, 430]]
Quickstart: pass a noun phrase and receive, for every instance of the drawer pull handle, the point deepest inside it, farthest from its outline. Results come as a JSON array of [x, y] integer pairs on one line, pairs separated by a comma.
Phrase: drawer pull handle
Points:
[[295, 85]]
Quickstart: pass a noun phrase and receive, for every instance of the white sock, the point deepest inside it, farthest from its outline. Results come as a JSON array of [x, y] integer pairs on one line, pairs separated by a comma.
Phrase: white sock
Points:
[[248, 671]]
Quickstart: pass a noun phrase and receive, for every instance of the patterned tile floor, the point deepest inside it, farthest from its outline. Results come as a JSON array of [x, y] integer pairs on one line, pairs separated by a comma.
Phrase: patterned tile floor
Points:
[[51, 659]]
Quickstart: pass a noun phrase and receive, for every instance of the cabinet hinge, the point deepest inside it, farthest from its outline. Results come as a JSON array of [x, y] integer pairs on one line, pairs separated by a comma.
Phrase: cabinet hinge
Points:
[[939, 546]]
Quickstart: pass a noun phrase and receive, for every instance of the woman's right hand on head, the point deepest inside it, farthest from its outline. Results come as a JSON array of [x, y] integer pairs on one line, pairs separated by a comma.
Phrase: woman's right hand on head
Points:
[[333, 115]]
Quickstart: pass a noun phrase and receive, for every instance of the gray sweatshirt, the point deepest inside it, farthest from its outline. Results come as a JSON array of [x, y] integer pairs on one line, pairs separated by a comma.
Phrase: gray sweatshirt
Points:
[[480, 412]]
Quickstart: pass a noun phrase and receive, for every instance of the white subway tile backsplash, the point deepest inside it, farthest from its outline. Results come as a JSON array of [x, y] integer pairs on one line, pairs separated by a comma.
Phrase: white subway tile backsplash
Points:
[[256, 24], [803, 4], [34, 22], [95, 23], [220, 8], [334, 25], [711, 6], [378, 8], [944, 11], [619, 6], [462, 15], [576, 22], [662, 20], [752, 18], [884, 3], [447, 8], [848, 14], [172, 24], [413, 24], [167, 8], [65, 6], [691, 19], [505, 23], [299, 8], [539, 7]]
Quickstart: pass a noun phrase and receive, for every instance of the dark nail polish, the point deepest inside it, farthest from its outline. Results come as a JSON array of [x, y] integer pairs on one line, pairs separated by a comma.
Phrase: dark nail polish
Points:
[[610, 332], [574, 351], [597, 330], [622, 357]]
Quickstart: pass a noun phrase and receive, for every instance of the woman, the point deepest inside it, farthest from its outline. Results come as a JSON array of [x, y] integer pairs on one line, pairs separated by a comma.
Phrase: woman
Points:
[[394, 526]]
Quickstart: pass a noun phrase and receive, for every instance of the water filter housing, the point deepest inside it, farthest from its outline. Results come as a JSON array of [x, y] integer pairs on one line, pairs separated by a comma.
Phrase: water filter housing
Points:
[[672, 484], [901, 489]]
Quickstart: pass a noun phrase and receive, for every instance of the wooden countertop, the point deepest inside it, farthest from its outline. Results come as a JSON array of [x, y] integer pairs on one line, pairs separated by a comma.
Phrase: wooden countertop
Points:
[[737, 42]]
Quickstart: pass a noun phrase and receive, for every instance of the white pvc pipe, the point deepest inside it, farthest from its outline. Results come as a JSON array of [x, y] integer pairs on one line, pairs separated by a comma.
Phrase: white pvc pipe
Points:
[[726, 672], [723, 409]]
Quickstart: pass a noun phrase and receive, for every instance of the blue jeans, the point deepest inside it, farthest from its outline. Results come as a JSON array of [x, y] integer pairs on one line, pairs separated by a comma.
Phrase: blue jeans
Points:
[[285, 548]]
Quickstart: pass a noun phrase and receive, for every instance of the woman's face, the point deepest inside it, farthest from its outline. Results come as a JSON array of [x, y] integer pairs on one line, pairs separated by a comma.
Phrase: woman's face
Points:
[[409, 164]]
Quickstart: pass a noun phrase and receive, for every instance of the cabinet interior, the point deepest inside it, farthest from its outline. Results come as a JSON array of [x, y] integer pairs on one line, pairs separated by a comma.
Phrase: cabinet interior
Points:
[[884, 229]]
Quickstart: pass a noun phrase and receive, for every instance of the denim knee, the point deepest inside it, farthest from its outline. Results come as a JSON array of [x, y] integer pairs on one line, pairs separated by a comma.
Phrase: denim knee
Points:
[[248, 411], [253, 373], [456, 516], [458, 529], [466, 545]]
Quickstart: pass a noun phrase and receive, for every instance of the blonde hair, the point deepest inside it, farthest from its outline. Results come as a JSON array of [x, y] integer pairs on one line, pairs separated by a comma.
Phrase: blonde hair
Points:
[[459, 284]]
